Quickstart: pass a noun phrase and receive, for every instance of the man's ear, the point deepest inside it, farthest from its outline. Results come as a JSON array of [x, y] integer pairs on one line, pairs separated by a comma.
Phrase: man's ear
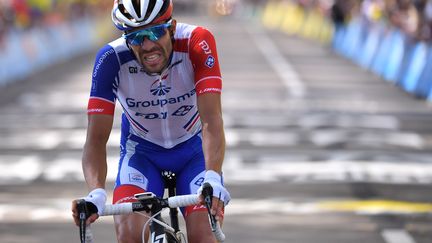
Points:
[[173, 26]]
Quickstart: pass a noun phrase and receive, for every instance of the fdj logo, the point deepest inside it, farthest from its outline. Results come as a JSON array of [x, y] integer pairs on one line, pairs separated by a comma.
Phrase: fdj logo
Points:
[[151, 116], [205, 47], [133, 70]]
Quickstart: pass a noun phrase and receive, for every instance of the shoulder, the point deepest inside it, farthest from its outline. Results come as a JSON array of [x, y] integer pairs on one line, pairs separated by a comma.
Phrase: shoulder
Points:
[[188, 31], [109, 50], [106, 60], [105, 57], [194, 39], [105, 51], [113, 48], [184, 31], [114, 53]]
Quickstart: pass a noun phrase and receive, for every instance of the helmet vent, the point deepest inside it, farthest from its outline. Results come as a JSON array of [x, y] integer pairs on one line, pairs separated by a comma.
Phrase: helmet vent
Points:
[[137, 8], [127, 14], [150, 8]]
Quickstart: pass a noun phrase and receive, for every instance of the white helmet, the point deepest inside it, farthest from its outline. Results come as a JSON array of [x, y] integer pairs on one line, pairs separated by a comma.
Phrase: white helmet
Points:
[[128, 14]]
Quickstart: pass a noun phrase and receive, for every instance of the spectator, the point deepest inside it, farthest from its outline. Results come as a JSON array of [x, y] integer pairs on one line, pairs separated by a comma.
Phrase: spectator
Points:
[[406, 17], [372, 10], [341, 11], [424, 8]]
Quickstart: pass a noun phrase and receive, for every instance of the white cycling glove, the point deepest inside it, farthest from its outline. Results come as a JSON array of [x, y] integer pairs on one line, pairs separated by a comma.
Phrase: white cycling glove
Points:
[[219, 191], [98, 197]]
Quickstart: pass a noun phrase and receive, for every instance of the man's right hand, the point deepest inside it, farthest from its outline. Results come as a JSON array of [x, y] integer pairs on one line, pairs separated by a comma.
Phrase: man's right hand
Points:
[[76, 215], [95, 203]]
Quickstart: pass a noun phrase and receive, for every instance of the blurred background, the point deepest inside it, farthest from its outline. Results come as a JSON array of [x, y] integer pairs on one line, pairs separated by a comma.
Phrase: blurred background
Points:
[[357, 29], [327, 110], [31, 30]]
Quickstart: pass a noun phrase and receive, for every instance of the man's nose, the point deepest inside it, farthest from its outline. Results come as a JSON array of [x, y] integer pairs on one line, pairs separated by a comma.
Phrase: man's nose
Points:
[[147, 43]]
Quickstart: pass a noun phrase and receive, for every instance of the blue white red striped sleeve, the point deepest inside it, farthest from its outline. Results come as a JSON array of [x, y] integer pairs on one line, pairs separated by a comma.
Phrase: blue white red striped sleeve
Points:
[[104, 82]]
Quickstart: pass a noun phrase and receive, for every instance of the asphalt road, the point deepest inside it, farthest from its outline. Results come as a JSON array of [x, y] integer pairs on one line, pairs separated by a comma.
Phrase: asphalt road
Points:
[[318, 150]]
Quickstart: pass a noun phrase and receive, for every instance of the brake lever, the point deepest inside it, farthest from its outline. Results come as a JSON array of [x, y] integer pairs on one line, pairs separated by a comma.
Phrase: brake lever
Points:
[[83, 214], [207, 192]]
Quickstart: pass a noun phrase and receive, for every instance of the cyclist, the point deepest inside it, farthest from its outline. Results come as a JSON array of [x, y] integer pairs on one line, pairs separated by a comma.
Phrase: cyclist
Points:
[[166, 77]]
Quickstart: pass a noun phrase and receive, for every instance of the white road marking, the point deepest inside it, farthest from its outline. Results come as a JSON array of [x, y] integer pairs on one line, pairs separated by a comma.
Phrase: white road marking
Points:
[[45, 139], [397, 236], [323, 138], [373, 121], [20, 168], [25, 169], [327, 171], [283, 68]]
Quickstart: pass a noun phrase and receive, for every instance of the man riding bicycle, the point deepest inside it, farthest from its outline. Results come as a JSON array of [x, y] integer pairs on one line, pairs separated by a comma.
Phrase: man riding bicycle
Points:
[[166, 77]]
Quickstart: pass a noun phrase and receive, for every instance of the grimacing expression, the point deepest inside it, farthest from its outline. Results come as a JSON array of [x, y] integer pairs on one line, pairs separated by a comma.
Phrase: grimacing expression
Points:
[[154, 55]]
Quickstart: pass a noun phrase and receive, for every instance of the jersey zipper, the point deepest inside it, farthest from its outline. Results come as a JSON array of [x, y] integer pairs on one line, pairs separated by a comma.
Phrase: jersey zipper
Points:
[[164, 120]]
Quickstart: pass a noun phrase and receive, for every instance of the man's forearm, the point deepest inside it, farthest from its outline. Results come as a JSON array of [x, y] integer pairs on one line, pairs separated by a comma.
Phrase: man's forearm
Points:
[[214, 147], [94, 166]]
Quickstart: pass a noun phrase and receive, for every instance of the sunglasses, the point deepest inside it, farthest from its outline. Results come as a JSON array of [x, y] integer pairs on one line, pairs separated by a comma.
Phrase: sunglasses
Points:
[[153, 33]]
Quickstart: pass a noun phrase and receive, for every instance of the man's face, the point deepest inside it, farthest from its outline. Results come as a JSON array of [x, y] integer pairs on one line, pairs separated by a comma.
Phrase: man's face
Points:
[[154, 55]]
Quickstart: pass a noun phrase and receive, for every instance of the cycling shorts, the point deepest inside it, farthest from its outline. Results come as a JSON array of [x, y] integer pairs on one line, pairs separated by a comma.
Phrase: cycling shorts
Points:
[[142, 163]]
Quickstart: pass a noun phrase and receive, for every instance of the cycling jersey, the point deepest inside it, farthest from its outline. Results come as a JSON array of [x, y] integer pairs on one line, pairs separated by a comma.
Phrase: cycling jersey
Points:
[[161, 109]]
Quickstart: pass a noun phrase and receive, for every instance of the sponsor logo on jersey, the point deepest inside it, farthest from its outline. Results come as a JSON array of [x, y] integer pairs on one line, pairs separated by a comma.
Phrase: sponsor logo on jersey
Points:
[[199, 181], [133, 69], [133, 103], [198, 207], [205, 47], [134, 177], [210, 61], [216, 90], [183, 110], [101, 60], [158, 88], [97, 110], [94, 86]]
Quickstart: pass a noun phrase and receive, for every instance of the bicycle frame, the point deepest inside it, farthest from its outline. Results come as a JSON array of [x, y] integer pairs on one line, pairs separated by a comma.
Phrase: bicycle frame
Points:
[[158, 232]]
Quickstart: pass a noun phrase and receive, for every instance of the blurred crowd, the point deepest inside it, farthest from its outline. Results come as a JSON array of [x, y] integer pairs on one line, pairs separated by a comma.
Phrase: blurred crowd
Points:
[[413, 17], [22, 15]]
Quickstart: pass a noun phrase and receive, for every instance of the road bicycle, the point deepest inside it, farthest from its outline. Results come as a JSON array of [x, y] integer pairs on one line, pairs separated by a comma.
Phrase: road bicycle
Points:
[[160, 231]]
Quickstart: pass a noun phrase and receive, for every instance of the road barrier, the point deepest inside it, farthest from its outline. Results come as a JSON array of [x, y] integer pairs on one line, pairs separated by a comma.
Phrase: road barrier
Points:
[[379, 48], [22, 53], [389, 53]]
